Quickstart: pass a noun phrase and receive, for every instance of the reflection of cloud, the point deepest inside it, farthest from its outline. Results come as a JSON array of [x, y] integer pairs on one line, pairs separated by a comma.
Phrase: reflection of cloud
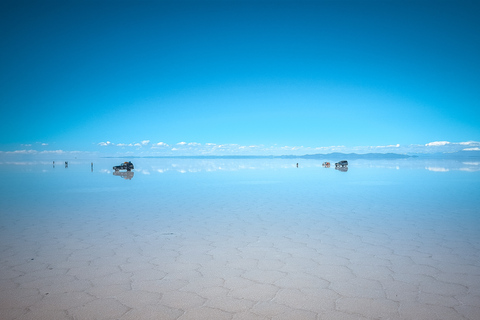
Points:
[[470, 169], [437, 169], [472, 149], [158, 166], [104, 144], [145, 142], [35, 154], [21, 163]]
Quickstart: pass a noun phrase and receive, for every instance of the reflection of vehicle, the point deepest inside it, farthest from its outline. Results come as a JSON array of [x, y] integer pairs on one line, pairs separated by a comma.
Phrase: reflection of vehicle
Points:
[[342, 163], [342, 169], [326, 164], [124, 166], [125, 175]]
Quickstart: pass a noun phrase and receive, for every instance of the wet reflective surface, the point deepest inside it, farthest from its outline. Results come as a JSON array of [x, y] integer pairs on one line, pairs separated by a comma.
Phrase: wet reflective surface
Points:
[[227, 239]]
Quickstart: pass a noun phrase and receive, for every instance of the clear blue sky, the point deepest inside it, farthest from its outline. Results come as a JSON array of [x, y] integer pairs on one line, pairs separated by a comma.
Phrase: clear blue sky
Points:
[[314, 73]]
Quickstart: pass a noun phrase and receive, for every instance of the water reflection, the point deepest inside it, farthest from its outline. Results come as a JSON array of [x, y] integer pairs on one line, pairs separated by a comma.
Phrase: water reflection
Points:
[[186, 166], [434, 165], [128, 175]]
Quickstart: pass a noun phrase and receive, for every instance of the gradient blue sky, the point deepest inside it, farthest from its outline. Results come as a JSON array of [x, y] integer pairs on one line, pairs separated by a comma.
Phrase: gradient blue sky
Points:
[[92, 75]]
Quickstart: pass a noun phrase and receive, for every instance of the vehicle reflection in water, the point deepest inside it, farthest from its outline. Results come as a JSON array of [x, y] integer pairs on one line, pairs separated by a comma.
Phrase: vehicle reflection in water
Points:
[[342, 169], [190, 166], [125, 174]]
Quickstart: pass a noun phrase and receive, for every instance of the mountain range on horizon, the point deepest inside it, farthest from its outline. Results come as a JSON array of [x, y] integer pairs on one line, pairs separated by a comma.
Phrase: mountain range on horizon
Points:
[[443, 155], [334, 155]]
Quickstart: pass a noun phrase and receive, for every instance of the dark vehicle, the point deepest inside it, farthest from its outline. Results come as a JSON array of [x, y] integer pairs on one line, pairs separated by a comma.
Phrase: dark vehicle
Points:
[[342, 163], [124, 166]]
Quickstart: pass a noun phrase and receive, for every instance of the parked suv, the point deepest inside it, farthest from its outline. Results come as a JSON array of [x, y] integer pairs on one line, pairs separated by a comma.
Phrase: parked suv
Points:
[[342, 163], [124, 166]]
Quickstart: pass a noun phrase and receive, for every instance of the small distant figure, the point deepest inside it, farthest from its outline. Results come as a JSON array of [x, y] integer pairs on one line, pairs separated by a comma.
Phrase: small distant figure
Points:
[[91, 165], [297, 164], [54, 164], [66, 164]]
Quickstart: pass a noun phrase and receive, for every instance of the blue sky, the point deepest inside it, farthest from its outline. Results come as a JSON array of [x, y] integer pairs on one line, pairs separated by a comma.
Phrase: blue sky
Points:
[[251, 76]]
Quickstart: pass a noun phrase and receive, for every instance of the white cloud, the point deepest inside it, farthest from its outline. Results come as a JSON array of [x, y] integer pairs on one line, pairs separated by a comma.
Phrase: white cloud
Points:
[[159, 144], [44, 144], [389, 146], [22, 152], [330, 148], [292, 148], [437, 143], [26, 145], [195, 148], [449, 147], [468, 143], [53, 151]]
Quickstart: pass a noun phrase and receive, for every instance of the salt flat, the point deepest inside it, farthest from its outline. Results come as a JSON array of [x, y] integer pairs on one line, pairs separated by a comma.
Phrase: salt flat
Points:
[[240, 239]]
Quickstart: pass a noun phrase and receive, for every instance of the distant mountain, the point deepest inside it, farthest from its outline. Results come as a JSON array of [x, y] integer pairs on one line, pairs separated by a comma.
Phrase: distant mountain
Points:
[[460, 155], [328, 156], [352, 156], [336, 156]]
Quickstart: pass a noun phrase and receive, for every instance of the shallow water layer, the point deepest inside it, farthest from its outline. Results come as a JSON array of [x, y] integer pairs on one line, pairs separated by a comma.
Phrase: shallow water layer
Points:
[[240, 239]]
